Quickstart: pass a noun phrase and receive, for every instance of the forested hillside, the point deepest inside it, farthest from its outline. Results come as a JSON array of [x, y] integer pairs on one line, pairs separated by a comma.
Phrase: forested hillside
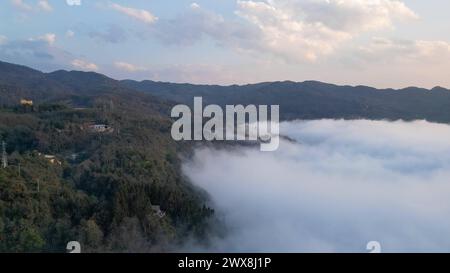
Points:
[[93, 162]]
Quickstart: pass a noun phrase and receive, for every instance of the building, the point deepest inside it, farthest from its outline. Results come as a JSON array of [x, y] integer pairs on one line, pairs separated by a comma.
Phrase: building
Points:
[[158, 211], [52, 159], [101, 128], [25, 102]]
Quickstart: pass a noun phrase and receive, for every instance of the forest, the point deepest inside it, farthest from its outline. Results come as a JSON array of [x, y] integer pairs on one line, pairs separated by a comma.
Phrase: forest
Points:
[[114, 190]]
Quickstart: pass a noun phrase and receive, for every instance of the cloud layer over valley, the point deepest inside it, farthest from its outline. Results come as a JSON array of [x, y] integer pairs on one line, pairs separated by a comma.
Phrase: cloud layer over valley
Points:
[[341, 185]]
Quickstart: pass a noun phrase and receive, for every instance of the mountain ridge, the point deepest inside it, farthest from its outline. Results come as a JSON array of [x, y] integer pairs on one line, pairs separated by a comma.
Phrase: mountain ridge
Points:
[[130, 81], [297, 100], [59, 71], [315, 100]]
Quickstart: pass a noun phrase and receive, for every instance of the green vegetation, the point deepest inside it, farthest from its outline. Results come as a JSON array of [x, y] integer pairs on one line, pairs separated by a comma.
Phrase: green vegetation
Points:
[[66, 181], [101, 187]]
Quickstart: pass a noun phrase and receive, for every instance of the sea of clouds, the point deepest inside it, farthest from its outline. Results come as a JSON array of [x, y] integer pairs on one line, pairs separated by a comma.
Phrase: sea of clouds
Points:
[[339, 185]]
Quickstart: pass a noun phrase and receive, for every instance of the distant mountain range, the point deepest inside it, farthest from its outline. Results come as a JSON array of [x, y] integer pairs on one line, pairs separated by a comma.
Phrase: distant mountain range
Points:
[[297, 100], [315, 100]]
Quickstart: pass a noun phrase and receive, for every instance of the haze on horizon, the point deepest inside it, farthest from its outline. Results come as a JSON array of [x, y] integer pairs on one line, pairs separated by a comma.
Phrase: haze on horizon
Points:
[[380, 43]]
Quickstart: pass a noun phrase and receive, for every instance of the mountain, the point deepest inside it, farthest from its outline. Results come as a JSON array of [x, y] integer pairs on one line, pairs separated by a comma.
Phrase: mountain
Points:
[[314, 100], [297, 100], [75, 88], [114, 187]]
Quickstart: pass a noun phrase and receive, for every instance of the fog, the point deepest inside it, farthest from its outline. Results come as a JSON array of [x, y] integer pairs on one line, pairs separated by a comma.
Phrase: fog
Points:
[[339, 185]]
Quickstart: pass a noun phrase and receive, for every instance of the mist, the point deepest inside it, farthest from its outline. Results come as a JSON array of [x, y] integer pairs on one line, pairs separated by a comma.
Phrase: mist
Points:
[[337, 186]]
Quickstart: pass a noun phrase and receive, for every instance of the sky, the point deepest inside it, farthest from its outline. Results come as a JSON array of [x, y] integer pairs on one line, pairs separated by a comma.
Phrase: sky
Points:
[[380, 43], [341, 185]]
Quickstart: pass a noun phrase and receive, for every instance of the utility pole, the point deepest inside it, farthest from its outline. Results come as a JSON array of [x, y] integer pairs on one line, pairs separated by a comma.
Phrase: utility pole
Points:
[[4, 156]]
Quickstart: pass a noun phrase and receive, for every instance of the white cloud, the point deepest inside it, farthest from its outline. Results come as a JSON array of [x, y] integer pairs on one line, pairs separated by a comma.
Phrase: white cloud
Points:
[[287, 37], [21, 5], [138, 14], [195, 6], [3, 39], [49, 38], [343, 184], [349, 15], [45, 6], [292, 30], [308, 29], [70, 33], [74, 2], [84, 65], [128, 67]]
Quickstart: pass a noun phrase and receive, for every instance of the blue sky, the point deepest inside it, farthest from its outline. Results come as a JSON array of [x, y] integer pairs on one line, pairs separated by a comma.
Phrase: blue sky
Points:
[[382, 43]]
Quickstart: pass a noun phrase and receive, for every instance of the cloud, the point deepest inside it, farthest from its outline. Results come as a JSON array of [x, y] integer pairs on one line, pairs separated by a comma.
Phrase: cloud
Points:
[[73, 2], [128, 67], [197, 23], [350, 16], [45, 6], [384, 49], [70, 33], [138, 14], [341, 185], [195, 6], [42, 53], [114, 34], [294, 31], [3, 39], [397, 62], [20, 4], [308, 29], [288, 37], [39, 52], [41, 5], [49, 38], [84, 65]]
